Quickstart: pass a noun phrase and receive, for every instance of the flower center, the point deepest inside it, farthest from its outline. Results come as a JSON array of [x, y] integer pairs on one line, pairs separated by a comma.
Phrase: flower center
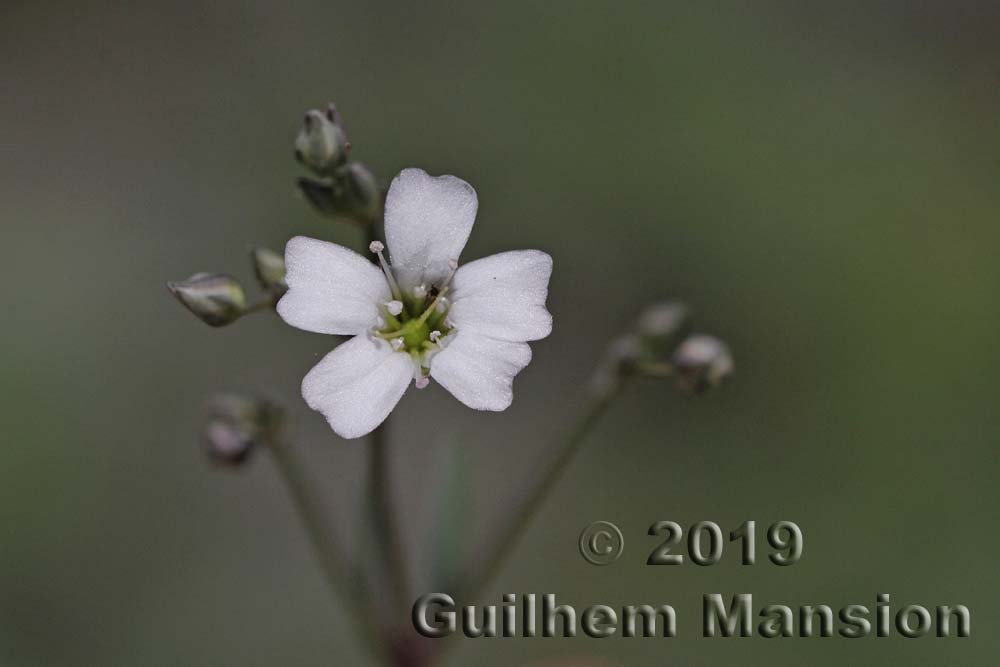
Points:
[[414, 334], [415, 322]]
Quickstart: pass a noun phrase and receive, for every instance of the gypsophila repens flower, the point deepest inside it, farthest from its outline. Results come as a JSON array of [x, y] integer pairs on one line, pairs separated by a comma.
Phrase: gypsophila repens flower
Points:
[[419, 318]]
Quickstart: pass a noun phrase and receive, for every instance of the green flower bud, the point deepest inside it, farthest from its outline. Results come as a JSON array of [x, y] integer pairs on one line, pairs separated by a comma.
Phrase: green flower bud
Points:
[[319, 194], [269, 267], [360, 192], [321, 144], [216, 299], [352, 194], [702, 362]]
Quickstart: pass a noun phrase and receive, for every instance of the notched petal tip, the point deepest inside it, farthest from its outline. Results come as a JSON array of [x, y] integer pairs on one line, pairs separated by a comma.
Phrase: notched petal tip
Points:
[[504, 295], [479, 371], [428, 220]]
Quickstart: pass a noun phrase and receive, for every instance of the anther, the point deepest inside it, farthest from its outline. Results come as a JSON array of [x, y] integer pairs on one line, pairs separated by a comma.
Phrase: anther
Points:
[[442, 305], [377, 247], [420, 291], [397, 344], [435, 336], [422, 382], [394, 307]]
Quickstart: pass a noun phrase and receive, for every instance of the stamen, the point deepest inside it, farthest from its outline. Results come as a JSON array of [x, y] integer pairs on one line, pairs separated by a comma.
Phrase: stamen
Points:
[[440, 303], [422, 382], [420, 292], [377, 247], [435, 336], [394, 307]]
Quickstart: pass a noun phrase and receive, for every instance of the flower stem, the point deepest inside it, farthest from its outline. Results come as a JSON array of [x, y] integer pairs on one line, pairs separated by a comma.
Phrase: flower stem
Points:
[[532, 497], [384, 518], [266, 303], [336, 567]]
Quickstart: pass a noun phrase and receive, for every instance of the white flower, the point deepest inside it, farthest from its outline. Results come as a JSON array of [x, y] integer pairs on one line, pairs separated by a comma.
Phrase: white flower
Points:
[[423, 316]]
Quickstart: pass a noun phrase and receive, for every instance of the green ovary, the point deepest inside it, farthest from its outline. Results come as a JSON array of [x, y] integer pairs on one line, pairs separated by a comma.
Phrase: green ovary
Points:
[[413, 328], [414, 334]]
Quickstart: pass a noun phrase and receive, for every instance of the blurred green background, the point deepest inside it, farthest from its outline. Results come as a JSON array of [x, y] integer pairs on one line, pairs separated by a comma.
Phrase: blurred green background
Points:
[[819, 180]]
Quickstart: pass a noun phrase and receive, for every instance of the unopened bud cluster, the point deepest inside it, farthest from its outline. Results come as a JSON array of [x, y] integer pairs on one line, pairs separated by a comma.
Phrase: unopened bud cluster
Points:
[[237, 425], [344, 188], [661, 345]]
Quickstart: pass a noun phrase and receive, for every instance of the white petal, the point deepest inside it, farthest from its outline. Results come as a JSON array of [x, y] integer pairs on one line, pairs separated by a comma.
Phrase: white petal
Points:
[[479, 370], [427, 222], [357, 385], [331, 289], [504, 295]]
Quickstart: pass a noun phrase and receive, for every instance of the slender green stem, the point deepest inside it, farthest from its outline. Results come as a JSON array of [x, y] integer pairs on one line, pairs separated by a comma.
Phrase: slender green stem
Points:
[[473, 582], [336, 567], [264, 304], [385, 518], [657, 369], [531, 499]]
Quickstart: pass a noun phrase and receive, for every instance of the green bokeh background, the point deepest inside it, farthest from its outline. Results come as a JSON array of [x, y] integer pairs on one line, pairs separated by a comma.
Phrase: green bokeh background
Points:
[[819, 180]]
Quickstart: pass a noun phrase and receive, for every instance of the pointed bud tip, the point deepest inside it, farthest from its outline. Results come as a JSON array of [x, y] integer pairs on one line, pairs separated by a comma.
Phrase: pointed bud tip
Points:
[[216, 299], [321, 143]]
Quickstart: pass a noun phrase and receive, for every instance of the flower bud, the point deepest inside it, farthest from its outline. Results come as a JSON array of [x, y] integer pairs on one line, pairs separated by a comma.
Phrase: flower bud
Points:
[[360, 192], [319, 194], [237, 425], [662, 320], [321, 144], [702, 362], [216, 299], [269, 267], [352, 193], [227, 443], [619, 360]]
